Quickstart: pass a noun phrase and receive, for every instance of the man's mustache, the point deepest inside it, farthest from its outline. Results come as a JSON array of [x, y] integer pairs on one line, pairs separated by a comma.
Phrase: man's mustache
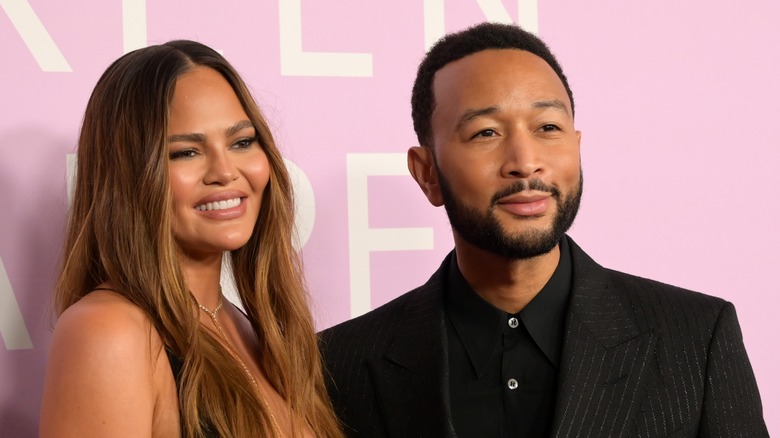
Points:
[[524, 185]]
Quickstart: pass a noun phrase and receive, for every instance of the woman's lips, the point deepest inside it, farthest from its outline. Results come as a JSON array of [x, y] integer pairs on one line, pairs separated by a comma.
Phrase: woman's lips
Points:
[[222, 210], [219, 205]]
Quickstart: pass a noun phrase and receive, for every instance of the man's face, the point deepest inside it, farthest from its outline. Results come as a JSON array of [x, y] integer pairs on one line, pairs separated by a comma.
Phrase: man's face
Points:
[[506, 156]]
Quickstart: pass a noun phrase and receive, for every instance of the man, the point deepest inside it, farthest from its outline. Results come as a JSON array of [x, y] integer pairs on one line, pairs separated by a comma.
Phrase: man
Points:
[[519, 332]]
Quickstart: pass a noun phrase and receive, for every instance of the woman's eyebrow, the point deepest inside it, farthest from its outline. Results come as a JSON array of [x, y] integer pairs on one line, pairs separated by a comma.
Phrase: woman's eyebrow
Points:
[[238, 127]]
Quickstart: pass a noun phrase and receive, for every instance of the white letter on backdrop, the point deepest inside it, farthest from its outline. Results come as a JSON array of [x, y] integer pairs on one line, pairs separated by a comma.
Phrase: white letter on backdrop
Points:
[[12, 325], [362, 239], [433, 21], [296, 62], [304, 204], [494, 10], [528, 15], [134, 24], [35, 35], [70, 176]]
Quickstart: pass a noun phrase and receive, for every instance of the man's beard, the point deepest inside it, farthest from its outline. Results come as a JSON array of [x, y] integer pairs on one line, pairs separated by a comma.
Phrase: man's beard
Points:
[[482, 229]]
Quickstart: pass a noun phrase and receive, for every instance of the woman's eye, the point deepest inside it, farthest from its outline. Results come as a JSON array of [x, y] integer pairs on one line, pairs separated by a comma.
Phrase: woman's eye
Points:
[[245, 143], [184, 153]]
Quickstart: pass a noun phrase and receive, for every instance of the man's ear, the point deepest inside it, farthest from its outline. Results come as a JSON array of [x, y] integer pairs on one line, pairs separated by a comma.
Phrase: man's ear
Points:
[[423, 169]]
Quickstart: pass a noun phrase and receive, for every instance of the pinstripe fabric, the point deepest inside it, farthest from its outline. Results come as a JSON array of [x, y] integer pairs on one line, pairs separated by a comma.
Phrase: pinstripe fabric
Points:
[[640, 359]]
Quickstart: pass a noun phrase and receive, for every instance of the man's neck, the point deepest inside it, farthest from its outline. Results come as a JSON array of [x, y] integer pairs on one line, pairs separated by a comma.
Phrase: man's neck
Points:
[[508, 284]]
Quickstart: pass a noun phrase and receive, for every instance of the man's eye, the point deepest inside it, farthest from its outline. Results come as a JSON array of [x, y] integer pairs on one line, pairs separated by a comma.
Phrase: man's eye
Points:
[[550, 127], [184, 153], [485, 133]]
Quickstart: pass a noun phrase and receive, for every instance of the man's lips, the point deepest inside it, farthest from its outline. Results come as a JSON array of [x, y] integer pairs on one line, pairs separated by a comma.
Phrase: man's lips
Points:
[[526, 203]]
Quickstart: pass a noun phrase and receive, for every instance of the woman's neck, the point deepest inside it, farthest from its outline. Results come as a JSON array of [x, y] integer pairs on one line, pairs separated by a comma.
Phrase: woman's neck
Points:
[[202, 278]]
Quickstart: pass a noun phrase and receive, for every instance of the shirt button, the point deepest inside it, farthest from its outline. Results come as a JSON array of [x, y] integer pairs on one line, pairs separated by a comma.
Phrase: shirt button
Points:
[[513, 322], [512, 384]]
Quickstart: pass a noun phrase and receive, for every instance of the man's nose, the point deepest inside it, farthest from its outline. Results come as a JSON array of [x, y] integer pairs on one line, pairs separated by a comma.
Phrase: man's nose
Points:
[[523, 157]]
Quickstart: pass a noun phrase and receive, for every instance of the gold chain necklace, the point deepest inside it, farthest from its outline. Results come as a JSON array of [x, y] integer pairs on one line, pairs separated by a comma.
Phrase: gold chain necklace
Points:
[[234, 353]]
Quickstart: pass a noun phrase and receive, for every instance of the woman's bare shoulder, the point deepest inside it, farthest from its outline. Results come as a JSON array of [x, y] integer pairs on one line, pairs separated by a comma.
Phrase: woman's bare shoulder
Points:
[[99, 377], [104, 321], [106, 306]]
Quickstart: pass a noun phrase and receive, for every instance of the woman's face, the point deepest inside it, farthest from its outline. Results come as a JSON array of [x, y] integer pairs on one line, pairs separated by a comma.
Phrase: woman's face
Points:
[[218, 170]]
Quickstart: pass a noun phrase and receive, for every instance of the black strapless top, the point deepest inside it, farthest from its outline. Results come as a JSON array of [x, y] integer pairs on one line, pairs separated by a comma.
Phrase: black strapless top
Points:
[[176, 365]]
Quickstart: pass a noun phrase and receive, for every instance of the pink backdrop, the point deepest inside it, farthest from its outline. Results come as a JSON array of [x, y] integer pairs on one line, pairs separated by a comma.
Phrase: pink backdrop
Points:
[[677, 102]]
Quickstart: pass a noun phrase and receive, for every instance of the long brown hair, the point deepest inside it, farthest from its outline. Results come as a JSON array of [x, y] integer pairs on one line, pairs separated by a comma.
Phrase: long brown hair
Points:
[[119, 231]]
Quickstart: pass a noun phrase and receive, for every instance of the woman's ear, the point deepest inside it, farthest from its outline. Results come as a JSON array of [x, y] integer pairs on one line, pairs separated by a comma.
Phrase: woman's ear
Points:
[[422, 166]]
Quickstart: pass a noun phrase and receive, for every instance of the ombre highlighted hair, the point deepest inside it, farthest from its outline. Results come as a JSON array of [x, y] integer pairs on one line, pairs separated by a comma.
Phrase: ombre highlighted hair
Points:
[[120, 231]]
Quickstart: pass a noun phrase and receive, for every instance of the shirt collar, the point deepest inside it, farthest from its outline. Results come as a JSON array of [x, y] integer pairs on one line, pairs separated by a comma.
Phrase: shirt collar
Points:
[[479, 324], [545, 315]]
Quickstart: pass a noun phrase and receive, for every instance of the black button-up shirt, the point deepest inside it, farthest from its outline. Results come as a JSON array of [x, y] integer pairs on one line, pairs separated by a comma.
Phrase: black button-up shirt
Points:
[[503, 367]]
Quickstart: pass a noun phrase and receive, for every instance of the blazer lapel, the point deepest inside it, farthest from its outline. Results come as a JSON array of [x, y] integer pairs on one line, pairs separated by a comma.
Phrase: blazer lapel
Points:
[[605, 359], [411, 379]]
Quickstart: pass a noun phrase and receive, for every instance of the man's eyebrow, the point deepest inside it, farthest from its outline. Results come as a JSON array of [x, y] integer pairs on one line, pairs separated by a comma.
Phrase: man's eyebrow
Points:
[[472, 114], [554, 104], [200, 138]]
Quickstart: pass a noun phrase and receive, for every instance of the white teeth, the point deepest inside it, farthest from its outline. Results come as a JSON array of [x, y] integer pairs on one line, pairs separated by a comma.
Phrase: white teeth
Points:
[[219, 205]]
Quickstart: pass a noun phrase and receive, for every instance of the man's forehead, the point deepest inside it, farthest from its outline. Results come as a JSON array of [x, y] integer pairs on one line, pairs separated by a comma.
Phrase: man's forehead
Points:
[[484, 59], [490, 73]]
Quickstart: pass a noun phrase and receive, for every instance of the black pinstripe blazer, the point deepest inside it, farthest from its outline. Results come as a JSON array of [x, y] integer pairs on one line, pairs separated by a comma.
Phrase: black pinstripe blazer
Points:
[[640, 359]]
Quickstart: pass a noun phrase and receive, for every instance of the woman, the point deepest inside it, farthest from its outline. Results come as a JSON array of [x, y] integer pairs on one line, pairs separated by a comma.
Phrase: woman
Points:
[[176, 166]]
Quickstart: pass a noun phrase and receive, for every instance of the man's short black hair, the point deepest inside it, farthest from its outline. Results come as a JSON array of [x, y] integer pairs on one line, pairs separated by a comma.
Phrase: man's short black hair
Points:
[[455, 46]]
